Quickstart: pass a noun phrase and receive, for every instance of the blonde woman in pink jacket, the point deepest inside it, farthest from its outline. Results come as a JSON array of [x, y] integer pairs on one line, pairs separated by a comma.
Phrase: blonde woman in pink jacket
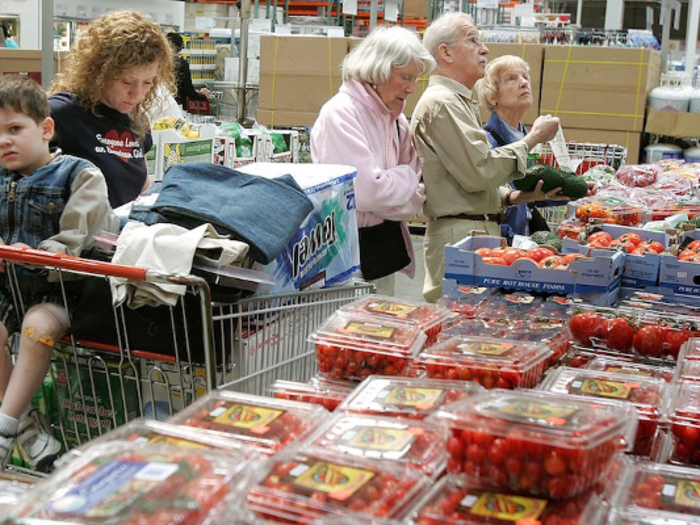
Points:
[[363, 126]]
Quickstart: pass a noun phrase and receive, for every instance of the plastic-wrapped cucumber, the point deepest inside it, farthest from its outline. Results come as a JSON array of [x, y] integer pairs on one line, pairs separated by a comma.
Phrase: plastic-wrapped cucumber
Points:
[[571, 184]]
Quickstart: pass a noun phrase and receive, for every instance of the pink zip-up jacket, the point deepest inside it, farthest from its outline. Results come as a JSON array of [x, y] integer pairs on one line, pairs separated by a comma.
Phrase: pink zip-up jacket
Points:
[[356, 128]]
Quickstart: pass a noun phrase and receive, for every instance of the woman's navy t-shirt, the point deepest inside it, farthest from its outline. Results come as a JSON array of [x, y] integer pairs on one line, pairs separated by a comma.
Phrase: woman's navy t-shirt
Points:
[[105, 139]]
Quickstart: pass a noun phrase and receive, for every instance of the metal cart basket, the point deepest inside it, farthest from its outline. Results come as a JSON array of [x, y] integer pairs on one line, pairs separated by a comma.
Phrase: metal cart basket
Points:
[[584, 155], [151, 363]]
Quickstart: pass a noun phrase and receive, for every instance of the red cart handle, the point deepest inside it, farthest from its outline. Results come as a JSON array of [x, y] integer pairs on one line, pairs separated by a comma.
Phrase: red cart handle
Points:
[[34, 257]]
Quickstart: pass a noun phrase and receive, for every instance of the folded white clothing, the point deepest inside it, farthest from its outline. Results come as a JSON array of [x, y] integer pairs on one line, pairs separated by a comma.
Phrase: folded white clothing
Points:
[[169, 249]]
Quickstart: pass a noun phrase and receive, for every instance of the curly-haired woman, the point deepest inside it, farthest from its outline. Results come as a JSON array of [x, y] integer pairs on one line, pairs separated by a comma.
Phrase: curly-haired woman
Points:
[[99, 102]]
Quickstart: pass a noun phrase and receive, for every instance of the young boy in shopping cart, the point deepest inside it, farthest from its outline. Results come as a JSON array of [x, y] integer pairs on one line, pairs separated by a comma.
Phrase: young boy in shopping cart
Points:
[[52, 202]]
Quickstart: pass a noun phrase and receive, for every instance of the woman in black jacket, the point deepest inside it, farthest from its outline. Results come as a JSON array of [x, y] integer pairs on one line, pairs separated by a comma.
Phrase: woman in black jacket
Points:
[[183, 77]]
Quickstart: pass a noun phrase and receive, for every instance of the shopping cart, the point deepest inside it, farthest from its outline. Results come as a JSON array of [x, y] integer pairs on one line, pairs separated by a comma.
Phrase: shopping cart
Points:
[[152, 363], [584, 156]]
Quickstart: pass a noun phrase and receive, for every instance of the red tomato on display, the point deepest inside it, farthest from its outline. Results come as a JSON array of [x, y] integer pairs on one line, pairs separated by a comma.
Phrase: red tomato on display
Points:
[[604, 238], [618, 333], [585, 326], [495, 260], [649, 341], [553, 262]]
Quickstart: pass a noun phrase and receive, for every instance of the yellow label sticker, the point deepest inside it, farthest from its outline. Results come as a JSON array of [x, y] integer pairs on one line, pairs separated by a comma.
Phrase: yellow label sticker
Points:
[[338, 481], [505, 507], [248, 417], [420, 398], [600, 388], [374, 330], [534, 411], [493, 349], [378, 439], [688, 493], [629, 371], [161, 439], [388, 308]]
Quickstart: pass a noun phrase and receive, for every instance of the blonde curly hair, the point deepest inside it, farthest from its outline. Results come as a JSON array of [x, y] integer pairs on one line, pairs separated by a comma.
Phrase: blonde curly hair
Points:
[[109, 46]]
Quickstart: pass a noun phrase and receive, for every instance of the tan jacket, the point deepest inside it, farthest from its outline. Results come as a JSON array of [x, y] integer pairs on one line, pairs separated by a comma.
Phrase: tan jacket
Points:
[[462, 174]]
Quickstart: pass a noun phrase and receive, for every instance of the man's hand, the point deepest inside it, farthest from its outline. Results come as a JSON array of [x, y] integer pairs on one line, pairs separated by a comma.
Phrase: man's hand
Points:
[[523, 197], [543, 129]]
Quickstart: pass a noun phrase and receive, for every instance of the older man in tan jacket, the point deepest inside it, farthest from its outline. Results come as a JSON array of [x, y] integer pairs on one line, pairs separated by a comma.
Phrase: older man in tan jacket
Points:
[[466, 181]]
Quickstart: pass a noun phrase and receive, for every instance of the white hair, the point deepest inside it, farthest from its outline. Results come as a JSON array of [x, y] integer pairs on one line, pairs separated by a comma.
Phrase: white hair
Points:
[[445, 29], [487, 87], [386, 48]]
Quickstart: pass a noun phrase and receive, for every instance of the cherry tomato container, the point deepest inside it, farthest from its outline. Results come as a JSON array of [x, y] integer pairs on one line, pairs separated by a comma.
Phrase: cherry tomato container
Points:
[[493, 363], [13, 487], [351, 346], [555, 309], [418, 445], [305, 485], [554, 335], [411, 398], [663, 210], [612, 210], [128, 483], [649, 396], [328, 394], [657, 493], [690, 350], [684, 418], [535, 443], [474, 327], [570, 229], [267, 424], [465, 300], [428, 317], [165, 433], [620, 366], [516, 306], [459, 500]]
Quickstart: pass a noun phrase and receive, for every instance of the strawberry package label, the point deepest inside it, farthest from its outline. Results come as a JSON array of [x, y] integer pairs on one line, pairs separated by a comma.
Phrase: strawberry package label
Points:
[[307, 485], [493, 363], [414, 444], [429, 317], [659, 491], [535, 443], [457, 500], [328, 394], [412, 398], [267, 424], [119, 483], [650, 396], [554, 274], [353, 346]]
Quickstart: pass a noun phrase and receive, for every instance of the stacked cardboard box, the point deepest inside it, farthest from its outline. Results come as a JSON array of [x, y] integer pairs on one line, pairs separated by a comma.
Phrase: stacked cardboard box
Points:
[[298, 74], [599, 92]]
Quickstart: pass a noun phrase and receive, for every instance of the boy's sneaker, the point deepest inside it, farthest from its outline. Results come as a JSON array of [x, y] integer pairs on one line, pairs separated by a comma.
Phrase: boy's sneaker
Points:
[[37, 445], [7, 445]]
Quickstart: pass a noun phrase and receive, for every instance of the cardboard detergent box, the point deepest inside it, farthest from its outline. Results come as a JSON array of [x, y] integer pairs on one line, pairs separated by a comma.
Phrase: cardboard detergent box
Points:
[[639, 270], [683, 277], [325, 250], [601, 88], [590, 275]]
